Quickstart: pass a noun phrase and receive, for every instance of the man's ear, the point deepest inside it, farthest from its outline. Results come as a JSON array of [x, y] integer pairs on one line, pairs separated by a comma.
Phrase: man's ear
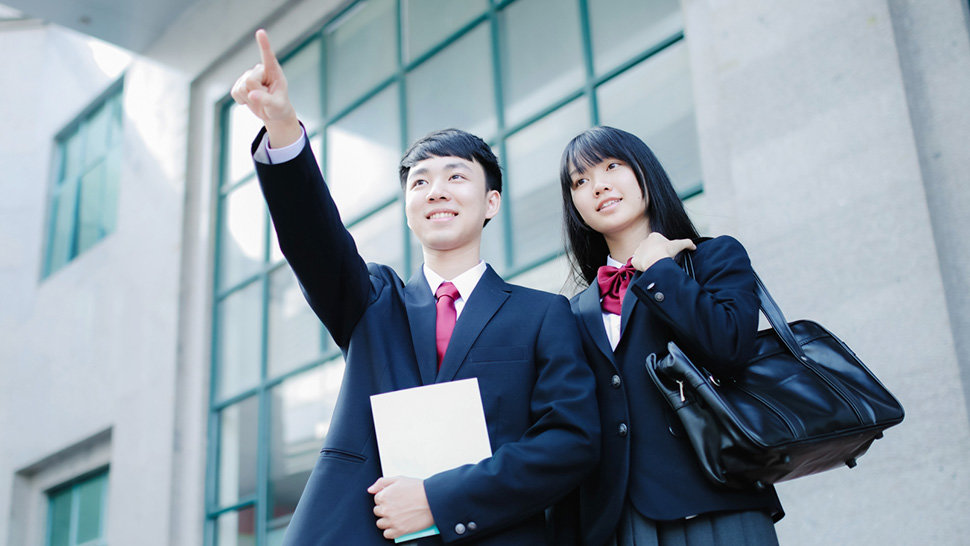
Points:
[[493, 201]]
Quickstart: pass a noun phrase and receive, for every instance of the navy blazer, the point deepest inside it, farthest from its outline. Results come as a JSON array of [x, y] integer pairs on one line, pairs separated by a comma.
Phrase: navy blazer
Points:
[[646, 456], [523, 346]]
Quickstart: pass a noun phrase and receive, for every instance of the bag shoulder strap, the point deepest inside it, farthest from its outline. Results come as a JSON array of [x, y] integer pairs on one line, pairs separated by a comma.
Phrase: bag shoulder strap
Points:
[[767, 304]]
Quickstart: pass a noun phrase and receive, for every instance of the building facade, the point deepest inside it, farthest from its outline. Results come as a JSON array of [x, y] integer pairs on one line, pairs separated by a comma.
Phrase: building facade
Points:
[[162, 380]]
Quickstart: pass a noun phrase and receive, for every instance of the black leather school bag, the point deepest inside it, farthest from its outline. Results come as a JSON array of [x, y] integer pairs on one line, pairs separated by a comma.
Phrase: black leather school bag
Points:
[[803, 404]]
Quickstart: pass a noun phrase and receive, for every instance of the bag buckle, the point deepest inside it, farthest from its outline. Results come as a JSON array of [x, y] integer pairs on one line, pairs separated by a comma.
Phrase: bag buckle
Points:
[[681, 385]]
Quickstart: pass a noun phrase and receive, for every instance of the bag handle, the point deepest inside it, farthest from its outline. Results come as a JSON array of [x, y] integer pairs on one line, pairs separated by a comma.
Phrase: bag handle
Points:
[[768, 306]]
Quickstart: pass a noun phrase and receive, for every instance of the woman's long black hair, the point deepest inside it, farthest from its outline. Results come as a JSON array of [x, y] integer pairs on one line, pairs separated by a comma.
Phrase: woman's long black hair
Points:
[[587, 248]]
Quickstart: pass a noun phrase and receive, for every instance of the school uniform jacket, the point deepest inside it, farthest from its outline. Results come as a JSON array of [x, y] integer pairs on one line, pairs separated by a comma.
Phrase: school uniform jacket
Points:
[[522, 345], [645, 453]]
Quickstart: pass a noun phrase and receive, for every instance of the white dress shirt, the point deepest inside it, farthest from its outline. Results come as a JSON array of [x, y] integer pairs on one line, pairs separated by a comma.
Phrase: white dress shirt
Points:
[[465, 283], [275, 156]]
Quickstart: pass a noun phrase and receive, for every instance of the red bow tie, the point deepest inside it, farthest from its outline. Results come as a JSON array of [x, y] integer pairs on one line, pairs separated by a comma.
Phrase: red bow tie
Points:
[[613, 282]]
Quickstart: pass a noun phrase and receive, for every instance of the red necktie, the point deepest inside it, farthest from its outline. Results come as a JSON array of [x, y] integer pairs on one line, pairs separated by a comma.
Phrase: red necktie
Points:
[[445, 318], [613, 282]]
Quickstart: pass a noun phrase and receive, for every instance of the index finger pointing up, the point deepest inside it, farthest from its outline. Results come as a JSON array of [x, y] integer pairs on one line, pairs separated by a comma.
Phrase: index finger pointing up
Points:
[[266, 54]]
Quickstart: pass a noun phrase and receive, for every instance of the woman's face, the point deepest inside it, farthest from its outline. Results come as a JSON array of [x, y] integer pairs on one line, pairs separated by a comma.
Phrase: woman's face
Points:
[[608, 197]]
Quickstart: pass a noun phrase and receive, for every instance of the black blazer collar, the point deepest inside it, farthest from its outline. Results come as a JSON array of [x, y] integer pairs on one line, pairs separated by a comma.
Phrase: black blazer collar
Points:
[[591, 314], [419, 302], [485, 300], [488, 296]]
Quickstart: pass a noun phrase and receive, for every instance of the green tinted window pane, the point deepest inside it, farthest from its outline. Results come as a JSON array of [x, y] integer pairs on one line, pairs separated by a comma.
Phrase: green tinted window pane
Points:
[[96, 131], [242, 235], [238, 432], [361, 51], [237, 528], [624, 28], [64, 212], [303, 82], [241, 130], [539, 69], [91, 207], [60, 518], [454, 89], [91, 496], [380, 237], [428, 22], [73, 158], [295, 333], [238, 342], [654, 100], [363, 150], [299, 421], [533, 172]]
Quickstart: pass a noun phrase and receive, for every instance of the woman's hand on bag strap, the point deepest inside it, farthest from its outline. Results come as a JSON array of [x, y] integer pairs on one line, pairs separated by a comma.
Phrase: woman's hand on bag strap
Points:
[[657, 247]]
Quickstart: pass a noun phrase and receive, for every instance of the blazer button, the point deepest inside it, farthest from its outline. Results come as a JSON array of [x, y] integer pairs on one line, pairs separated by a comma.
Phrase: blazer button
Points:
[[622, 430], [472, 526], [460, 529], [615, 382], [659, 296]]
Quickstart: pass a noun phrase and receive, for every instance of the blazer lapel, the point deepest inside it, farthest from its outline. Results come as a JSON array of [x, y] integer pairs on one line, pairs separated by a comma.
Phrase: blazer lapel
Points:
[[485, 300], [421, 320], [629, 304], [592, 317]]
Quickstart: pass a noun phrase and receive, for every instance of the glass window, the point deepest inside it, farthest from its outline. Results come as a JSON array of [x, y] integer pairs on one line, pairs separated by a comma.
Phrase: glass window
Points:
[[237, 528], [239, 340], [380, 237], [300, 414], [295, 334], [360, 51], [623, 29], [76, 512], [534, 194], [237, 454], [654, 100], [303, 84], [84, 196], [454, 89], [427, 22], [363, 150], [539, 67], [241, 130], [243, 234]]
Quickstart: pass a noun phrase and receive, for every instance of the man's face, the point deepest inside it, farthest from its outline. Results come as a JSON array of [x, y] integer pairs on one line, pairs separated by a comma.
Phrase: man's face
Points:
[[446, 203]]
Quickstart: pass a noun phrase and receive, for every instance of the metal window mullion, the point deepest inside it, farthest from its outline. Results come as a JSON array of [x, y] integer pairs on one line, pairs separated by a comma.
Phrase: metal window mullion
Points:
[[496, 51], [587, 44], [402, 111], [263, 422], [214, 422]]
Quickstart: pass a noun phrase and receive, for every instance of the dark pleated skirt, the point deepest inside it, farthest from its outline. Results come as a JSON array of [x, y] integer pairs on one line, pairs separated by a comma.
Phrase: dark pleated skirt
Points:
[[751, 528]]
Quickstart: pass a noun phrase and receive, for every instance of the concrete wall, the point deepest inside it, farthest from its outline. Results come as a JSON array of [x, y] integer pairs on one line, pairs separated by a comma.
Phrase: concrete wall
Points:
[[89, 351], [813, 119]]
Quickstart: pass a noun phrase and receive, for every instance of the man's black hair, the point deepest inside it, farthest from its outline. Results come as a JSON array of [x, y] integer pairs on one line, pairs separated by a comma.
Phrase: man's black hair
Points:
[[457, 143]]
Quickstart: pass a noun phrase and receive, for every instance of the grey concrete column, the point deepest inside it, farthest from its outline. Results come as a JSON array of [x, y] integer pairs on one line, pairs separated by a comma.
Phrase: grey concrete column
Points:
[[811, 157]]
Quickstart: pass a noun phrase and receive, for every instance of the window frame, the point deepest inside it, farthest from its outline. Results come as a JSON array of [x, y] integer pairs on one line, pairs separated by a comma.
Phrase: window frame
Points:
[[61, 186], [73, 486]]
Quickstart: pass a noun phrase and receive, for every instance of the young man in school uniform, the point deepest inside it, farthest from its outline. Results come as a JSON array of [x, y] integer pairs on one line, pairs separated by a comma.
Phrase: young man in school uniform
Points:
[[455, 319]]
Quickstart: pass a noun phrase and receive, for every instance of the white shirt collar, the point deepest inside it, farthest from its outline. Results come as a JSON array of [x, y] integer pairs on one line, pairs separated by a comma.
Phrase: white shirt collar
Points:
[[465, 282], [612, 262]]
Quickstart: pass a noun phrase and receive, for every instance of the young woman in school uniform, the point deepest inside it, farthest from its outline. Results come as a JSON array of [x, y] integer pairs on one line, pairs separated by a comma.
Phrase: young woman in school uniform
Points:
[[626, 229]]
